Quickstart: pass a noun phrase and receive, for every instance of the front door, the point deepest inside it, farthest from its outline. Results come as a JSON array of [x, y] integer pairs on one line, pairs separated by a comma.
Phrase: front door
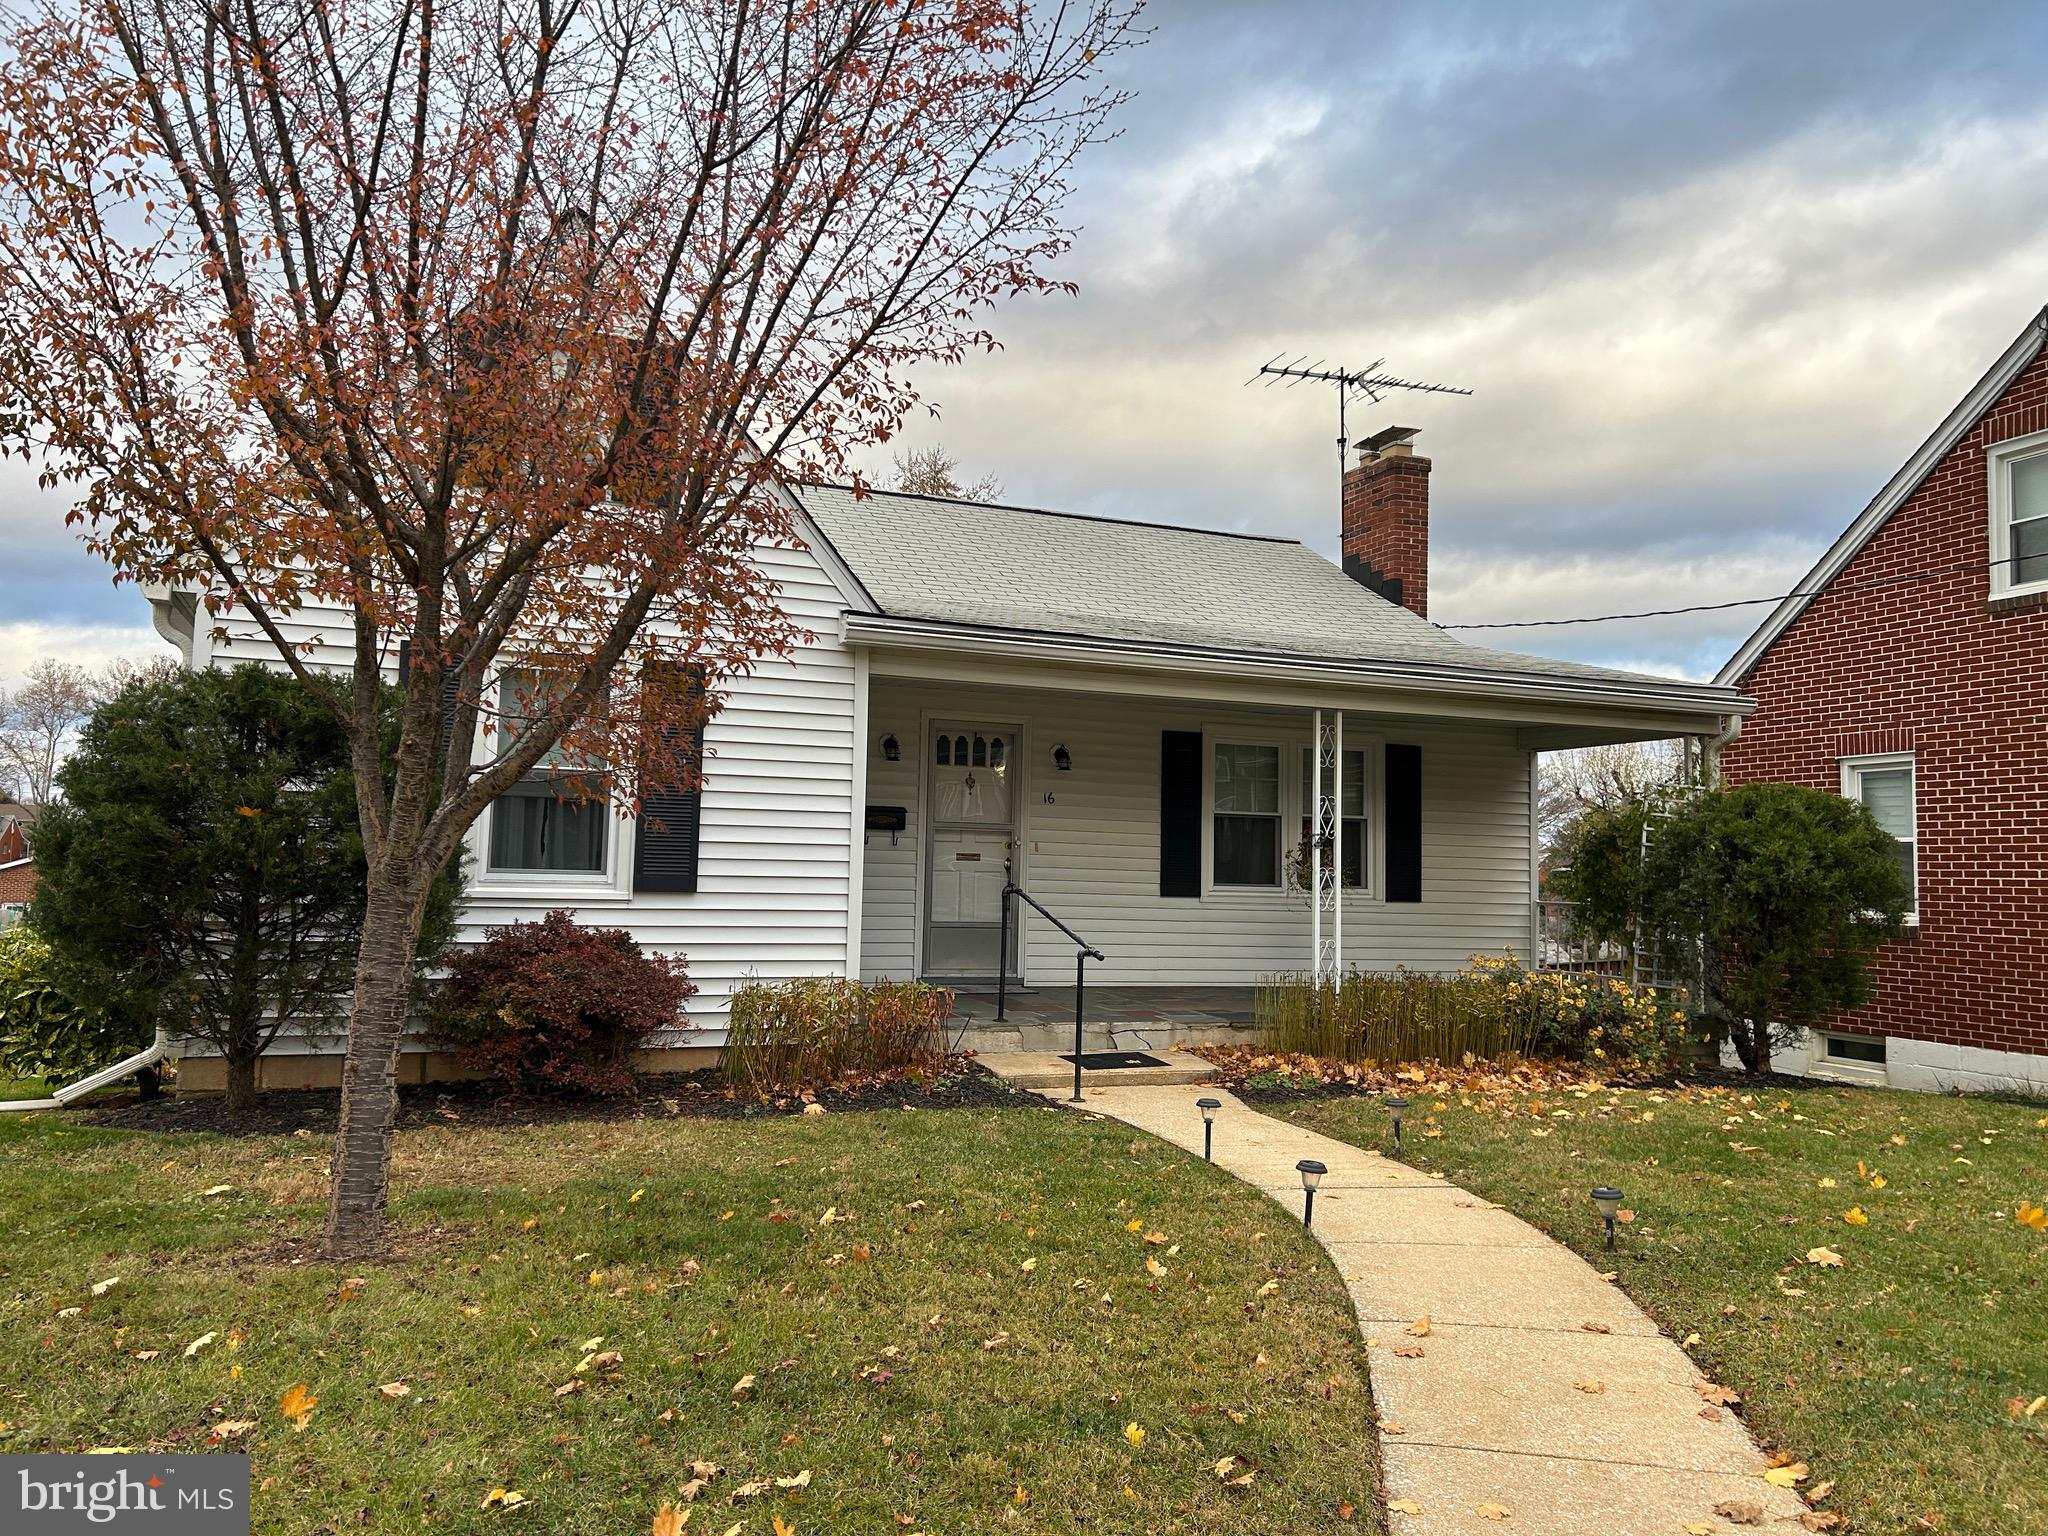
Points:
[[971, 814]]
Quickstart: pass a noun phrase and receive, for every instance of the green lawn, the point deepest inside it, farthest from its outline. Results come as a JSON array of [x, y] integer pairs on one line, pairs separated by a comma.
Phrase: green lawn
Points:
[[960, 1349], [1896, 1375]]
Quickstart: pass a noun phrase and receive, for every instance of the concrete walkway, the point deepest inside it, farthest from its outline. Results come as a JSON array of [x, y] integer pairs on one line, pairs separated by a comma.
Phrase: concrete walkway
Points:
[[1500, 1408]]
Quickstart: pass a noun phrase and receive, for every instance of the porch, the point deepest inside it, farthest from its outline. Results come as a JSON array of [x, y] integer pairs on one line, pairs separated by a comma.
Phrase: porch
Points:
[[1199, 843]]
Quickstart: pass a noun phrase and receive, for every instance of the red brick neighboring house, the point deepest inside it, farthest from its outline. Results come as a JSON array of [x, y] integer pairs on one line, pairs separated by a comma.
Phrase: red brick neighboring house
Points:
[[17, 864], [1911, 671]]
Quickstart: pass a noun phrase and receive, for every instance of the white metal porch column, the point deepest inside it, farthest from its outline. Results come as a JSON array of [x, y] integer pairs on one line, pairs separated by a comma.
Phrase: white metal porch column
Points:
[[1326, 856]]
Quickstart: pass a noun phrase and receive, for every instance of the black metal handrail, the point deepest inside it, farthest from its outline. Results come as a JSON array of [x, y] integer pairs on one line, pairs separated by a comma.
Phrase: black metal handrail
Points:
[[1083, 953]]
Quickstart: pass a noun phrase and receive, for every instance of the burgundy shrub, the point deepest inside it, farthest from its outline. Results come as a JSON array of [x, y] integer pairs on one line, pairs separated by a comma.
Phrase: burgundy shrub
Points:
[[552, 1005]]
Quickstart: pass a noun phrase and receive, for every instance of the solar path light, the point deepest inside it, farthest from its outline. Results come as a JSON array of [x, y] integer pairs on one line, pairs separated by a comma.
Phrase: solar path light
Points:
[[1208, 1107], [1311, 1173]]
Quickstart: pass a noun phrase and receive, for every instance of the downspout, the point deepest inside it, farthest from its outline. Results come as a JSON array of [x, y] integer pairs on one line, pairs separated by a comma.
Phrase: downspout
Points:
[[148, 1057], [1711, 747]]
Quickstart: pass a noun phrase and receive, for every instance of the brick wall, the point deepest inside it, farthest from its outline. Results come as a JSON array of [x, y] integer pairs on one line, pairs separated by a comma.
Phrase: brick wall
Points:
[[1386, 526], [1933, 667]]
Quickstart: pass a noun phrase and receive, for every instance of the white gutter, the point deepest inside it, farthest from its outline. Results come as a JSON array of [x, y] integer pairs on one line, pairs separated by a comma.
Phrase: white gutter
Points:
[[85, 1085], [1405, 676]]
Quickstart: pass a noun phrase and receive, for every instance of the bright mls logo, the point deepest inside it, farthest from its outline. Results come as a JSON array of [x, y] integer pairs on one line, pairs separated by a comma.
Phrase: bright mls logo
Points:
[[160, 1495]]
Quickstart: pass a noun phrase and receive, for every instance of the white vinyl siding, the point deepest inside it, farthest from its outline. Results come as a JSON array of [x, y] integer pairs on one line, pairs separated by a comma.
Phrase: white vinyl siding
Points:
[[775, 848], [1092, 853]]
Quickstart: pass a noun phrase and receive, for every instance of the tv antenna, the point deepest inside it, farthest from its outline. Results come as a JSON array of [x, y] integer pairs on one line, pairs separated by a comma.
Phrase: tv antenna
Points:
[[1368, 381]]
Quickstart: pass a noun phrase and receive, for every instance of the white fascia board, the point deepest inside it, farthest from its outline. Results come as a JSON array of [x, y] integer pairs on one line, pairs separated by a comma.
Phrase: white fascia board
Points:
[[1704, 702], [2025, 348]]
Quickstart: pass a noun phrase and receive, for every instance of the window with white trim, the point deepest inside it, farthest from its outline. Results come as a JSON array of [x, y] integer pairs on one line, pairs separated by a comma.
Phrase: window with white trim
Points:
[[1245, 813], [1884, 783], [1351, 815], [543, 823], [2019, 515]]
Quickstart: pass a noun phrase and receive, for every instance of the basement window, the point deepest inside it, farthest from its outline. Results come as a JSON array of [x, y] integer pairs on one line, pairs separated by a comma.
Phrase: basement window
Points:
[[1853, 1050]]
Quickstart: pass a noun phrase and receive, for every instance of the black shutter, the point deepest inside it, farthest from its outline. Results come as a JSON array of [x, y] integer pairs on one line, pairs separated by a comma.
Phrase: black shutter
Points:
[[665, 858], [1404, 823], [1180, 813]]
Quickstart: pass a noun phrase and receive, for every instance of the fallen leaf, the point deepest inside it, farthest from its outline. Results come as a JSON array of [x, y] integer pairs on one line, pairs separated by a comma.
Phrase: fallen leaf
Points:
[[1491, 1511], [782, 1526], [1711, 1414], [1714, 1392], [228, 1429], [199, 1343], [1420, 1328], [668, 1520], [1408, 1352], [1134, 1434], [1596, 1328], [1855, 1217], [1153, 1267], [297, 1405], [1028, 1265], [2034, 1216], [1740, 1511], [1593, 1387], [1826, 1258], [800, 1480], [1700, 1528], [1820, 1519], [503, 1498], [1786, 1476], [1392, 1427], [101, 1287], [634, 1198], [394, 1390], [1404, 1507], [999, 1341], [1269, 1288]]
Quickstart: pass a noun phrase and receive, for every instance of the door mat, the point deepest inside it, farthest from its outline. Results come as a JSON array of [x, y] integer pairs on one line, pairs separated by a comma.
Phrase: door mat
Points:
[[1110, 1061]]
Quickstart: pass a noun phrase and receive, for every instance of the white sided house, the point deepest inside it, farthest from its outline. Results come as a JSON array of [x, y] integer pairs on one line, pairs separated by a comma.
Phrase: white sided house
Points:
[[1139, 726]]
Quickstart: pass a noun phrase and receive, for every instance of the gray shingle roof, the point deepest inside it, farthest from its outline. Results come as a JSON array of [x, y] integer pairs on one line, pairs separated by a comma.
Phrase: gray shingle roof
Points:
[[965, 562]]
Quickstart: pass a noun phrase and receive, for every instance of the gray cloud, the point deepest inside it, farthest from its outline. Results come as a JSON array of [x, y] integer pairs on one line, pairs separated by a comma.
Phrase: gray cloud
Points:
[[1712, 271]]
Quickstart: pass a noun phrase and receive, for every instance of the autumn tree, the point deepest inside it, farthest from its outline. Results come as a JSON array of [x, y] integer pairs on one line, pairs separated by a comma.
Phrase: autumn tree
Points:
[[934, 472], [492, 324]]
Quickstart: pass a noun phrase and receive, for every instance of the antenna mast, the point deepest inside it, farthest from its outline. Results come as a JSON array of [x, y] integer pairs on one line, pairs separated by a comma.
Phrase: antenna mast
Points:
[[1368, 381]]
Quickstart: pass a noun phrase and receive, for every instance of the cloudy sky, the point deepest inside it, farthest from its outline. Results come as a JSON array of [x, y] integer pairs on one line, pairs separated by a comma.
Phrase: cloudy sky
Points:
[[1710, 270]]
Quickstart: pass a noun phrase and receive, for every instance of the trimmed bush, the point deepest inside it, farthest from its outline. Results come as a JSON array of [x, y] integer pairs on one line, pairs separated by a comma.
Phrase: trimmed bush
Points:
[[814, 1032], [553, 1006], [44, 1032], [1494, 1010]]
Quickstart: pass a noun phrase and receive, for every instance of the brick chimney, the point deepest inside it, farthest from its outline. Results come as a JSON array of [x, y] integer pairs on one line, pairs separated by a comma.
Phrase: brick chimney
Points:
[[1386, 519]]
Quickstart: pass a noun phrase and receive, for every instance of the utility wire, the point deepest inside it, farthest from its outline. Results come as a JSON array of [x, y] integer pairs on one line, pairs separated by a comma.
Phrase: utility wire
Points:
[[1746, 602]]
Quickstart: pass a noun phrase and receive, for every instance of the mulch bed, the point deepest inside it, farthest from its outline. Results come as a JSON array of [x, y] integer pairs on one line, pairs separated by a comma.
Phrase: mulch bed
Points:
[[961, 1084]]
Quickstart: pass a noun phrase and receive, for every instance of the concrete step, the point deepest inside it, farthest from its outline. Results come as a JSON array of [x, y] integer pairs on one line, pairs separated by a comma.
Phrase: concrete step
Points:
[[1046, 1069]]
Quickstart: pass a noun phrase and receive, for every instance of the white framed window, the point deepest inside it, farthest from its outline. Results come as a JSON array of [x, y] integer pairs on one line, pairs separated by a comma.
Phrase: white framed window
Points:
[[1884, 783], [2018, 497], [536, 827], [1353, 816], [1245, 816]]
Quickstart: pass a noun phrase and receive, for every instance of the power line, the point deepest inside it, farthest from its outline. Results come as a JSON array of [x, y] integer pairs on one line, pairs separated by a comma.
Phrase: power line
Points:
[[1745, 602]]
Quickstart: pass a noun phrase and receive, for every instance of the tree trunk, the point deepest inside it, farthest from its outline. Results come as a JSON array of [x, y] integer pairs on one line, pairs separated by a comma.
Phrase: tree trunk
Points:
[[1752, 1046], [241, 1081], [149, 1083], [369, 1077]]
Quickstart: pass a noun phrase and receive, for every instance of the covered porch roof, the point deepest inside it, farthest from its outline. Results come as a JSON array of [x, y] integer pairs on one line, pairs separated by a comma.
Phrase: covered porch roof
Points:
[[1548, 709]]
